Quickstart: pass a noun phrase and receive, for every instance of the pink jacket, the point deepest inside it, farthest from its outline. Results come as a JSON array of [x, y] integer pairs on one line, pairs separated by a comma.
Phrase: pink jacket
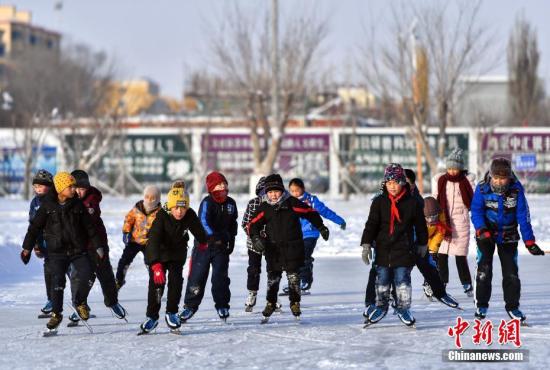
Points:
[[460, 218]]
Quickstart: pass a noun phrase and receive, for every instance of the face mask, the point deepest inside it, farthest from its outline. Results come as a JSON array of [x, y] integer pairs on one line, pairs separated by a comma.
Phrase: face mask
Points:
[[499, 189], [219, 196]]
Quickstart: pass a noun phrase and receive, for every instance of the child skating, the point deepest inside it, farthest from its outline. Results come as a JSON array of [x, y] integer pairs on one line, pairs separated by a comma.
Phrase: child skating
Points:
[[167, 251], [499, 207], [284, 246]]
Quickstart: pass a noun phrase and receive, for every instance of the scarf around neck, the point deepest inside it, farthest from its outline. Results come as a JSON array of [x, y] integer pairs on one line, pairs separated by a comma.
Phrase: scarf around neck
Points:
[[394, 211]]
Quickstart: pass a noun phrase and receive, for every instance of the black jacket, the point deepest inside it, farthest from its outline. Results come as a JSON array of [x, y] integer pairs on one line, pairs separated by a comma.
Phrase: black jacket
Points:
[[67, 229], [219, 220], [396, 250], [285, 245], [168, 237]]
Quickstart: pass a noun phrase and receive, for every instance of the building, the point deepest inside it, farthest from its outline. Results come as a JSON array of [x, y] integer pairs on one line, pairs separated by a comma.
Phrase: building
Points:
[[17, 33]]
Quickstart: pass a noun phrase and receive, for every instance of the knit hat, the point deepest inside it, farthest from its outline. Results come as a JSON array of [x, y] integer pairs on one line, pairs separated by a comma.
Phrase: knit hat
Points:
[[213, 179], [62, 180], [82, 179], [395, 172], [274, 182], [178, 184], [43, 177], [177, 197], [431, 207], [260, 186], [456, 159], [500, 167]]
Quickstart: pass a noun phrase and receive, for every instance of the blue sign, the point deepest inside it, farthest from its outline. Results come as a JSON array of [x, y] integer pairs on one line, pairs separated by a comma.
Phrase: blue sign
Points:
[[12, 166], [525, 161]]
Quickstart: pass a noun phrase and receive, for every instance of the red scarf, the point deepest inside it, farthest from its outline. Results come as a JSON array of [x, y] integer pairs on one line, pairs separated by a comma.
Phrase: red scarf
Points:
[[466, 192], [219, 196], [394, 212]]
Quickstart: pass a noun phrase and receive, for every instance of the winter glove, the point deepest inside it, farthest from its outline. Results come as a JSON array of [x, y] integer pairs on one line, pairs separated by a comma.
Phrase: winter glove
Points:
[[38, 253], [258, 245], [421, 250], [533, 248], [25, 256], [367, 253], [203, 247], [324, 232], [343, 226], [484, 234], [126, 238], [158, 274], [230, 246]]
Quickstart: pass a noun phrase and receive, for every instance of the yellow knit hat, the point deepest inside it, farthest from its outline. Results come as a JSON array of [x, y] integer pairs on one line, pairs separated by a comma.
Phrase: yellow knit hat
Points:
[[177, 197], [62, 180]]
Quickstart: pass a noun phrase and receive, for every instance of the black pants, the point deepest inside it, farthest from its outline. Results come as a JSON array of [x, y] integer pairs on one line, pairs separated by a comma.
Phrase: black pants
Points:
[[175, 286], [461, 266], [306, 272], [426, 267], [48, 278], [81, 271], [511, 285], [103, 271], [128, 254], [254, 270], [274, 280], [199, 268]]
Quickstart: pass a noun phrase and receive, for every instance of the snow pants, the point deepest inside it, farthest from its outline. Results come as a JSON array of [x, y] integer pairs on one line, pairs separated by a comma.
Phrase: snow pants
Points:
[[511, 285], [306, 272], [81, 274], [199, 268], [254, 270], [130, 252], [155, 292], [461, 266], [274, 280]]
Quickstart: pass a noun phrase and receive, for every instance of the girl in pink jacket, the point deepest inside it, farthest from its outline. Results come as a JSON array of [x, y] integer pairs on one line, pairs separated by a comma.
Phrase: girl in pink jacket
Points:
[[454, 192]]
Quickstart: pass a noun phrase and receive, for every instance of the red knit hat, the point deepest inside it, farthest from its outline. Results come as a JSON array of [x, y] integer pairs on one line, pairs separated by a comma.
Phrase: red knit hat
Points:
[[213, 179]]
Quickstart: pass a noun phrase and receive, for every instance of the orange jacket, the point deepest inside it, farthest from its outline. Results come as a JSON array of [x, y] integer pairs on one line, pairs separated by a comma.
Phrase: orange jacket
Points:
[[139, 223], [436, 233]]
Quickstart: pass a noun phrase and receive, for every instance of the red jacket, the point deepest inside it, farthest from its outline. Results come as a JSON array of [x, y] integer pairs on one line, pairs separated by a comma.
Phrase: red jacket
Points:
[[91, 202]]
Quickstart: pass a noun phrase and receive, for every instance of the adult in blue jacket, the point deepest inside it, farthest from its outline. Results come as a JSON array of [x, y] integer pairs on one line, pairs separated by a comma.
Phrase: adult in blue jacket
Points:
[[310, 233], [499, 206]]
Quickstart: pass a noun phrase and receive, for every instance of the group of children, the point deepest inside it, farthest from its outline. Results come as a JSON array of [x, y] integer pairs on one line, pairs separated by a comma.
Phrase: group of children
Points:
[[66, 230], [403, 230]]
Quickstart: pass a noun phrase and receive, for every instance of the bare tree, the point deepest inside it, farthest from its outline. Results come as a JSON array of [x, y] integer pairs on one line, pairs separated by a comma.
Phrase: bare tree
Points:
[[524, 87], [240, 51], [88, 105], [32, 85], [455, 42]]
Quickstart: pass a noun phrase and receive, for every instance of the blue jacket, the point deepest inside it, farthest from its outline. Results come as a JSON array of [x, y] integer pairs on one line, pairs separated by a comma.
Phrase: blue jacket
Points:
[[501, 214], [219, 220], [308, 230], [33, 209]]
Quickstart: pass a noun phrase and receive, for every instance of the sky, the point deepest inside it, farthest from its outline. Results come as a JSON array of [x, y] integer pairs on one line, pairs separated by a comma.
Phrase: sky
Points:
[[165, 39]]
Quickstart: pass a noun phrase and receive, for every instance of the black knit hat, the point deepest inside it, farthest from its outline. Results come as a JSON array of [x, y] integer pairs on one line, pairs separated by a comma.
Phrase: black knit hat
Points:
[[43, 177], [274, 182], [82, 179], [500, 167]]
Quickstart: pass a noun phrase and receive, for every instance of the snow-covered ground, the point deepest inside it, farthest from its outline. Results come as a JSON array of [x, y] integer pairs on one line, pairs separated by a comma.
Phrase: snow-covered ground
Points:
[[330, 334]]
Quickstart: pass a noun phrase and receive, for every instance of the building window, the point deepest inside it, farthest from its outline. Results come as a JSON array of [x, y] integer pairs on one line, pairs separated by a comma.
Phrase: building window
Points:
[[32, 39], [16, 35], [2, 50], [50, 44]]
